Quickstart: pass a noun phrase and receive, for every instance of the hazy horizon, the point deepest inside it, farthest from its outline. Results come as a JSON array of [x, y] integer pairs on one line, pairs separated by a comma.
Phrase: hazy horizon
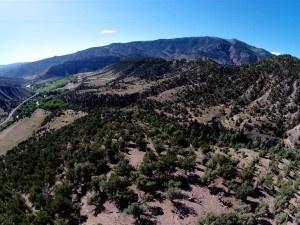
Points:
[[38, 29]]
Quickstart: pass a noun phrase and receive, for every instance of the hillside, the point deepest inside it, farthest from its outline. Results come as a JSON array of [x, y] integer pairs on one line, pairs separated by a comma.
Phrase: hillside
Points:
[[257, 98], [163, 142], [80, 66], [226, 52], [12, 92]]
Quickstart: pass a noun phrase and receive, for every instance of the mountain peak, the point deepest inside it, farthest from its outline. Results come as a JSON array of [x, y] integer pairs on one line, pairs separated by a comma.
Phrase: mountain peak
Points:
[[229, 52]]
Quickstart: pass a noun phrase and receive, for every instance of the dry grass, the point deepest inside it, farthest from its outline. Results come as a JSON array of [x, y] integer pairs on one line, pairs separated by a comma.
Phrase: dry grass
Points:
[[25, 128], [71, 86], [21, 130], [98, 78], [67, 117]]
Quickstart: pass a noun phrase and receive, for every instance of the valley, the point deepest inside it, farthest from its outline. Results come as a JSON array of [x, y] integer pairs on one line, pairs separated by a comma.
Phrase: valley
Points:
[[12, 93], [156, 141], [15, 109]]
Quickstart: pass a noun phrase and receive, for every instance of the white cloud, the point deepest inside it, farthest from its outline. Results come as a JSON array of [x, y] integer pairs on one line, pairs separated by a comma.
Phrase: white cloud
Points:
[[276, 53], [108, 31]]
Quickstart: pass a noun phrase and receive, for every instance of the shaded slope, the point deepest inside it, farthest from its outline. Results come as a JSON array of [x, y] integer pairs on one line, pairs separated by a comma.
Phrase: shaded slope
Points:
[[80, 66], [12, 93]]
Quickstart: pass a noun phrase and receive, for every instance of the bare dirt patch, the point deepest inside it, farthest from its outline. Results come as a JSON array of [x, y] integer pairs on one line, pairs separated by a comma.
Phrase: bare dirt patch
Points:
[[168, 95], [135, 157], [134, 86], [293, 137], [98, 78], [188, 212], [71, 86], [110, 215], [179, 212]]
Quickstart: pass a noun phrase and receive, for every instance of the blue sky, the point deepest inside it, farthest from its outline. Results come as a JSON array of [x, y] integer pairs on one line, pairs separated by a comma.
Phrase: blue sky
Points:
[[36, 29]]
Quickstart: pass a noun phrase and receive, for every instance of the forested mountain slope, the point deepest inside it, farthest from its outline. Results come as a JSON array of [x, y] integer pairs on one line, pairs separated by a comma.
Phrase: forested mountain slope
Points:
[[258, 98], [190, 142], [261, 97]]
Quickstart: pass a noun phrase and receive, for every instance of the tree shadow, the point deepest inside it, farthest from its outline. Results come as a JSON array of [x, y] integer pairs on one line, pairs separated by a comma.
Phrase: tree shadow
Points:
[[98, 209], [270, 215], [187, 181], [130, 145], [77, 220], [185, 185], [184, 196], [159, 197], [194, 179], [200, 169], [83, 219], [270, 192], [217, 190], [257, 193], [80, 193], [146, 221], [264, 222], [156, 210], [252, 204], [184, 210]]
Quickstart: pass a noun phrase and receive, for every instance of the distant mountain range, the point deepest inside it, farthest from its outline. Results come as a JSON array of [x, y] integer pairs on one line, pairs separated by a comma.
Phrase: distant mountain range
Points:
[[8, 67], [223, 51]]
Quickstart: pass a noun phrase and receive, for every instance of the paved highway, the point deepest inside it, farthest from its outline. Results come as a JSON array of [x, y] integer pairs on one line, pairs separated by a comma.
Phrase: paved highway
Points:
[[15, 109]]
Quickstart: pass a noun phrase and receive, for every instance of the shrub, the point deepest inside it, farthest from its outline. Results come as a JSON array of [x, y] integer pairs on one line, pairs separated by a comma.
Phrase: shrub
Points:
[[282, 218], [136, 210]]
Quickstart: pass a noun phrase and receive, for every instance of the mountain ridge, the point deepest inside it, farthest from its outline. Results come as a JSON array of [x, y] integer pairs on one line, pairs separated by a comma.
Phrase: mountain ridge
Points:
[[190, 48]]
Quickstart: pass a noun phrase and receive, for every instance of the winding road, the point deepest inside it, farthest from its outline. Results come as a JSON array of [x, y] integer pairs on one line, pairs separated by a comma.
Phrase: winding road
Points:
[[15, 109]]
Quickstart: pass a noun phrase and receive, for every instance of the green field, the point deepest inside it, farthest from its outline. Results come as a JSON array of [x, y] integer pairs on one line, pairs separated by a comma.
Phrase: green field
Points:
[[55, 84]]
